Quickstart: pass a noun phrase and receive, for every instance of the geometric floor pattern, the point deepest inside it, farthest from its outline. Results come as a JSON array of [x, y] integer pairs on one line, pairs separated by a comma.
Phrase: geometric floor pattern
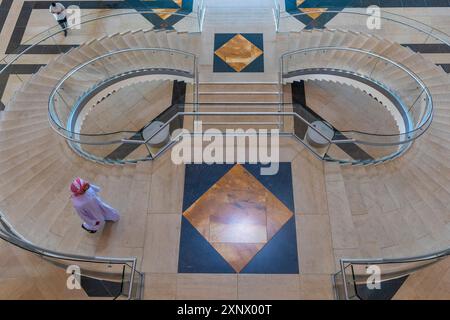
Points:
[[312, 13], [238, 52], [21, 12], [237, 221]]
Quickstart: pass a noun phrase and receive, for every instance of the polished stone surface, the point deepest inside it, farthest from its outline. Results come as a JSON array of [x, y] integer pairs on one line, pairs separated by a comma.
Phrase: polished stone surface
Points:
[[313, 13], [238, 53], [165, 13], [238, 217]]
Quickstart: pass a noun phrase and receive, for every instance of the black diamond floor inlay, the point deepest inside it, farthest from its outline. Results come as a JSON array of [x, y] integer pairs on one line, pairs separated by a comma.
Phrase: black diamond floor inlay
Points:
[[302, 109]]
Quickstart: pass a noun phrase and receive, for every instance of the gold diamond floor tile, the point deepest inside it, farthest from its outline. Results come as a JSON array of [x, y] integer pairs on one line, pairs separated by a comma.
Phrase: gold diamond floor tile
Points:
[[238, 216]]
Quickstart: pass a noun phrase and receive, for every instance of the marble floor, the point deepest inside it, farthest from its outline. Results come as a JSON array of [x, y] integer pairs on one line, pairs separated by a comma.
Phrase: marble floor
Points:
[[238, 52], [188, 234], [21, 20], [249, 226]]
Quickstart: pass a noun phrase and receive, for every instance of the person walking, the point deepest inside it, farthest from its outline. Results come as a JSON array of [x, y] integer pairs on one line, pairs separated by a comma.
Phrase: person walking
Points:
[[90, 207], [59, 12]]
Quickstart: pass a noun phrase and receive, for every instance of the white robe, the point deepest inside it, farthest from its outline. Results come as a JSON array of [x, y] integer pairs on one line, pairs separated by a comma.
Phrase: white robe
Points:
[[59, 11], [92, 210]]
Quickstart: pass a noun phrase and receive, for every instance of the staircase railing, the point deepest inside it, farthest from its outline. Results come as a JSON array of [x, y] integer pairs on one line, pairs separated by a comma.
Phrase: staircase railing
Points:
[[358, 278], [276, 14], [68, 99], [97, 147], [360, 19], [68, 103], [292, 125], [185, 119], [53, 41], [121, 271], [201, 13], [412, 105]]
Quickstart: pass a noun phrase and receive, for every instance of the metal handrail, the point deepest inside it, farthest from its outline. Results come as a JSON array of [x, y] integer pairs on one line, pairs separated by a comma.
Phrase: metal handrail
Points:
[[429, 112], [13, 236], [345, 262], [384, 15], [424, 257], [243, 113], [19, 55], [55, 26], [10, 235], [51, 106]]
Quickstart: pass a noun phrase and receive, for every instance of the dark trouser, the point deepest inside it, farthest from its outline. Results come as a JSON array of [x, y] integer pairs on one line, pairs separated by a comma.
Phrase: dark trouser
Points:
[[64, 25]]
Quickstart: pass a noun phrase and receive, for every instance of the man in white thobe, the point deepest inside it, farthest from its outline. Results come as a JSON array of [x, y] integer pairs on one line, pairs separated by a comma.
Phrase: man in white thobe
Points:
[[90, 207], [59, 12]]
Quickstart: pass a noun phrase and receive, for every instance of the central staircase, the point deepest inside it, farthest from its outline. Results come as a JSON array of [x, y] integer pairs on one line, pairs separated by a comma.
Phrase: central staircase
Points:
[[396, 208]]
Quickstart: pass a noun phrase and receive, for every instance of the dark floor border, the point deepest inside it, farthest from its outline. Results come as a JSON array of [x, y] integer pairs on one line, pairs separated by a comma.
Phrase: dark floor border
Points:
[[428, 47], [125, 149], [367, 3], [300, 128], [5, 6], [177, 105], [25, 69], [15, 42], [82, 101], [445, 66], [396, 102]]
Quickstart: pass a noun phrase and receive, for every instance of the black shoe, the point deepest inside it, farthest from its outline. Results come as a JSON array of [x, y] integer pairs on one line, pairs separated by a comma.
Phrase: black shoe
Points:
[[90, 231]]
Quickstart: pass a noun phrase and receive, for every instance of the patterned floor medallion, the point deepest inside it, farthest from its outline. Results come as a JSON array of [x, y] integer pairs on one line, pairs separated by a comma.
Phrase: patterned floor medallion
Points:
[[237, 216], [241, 52]]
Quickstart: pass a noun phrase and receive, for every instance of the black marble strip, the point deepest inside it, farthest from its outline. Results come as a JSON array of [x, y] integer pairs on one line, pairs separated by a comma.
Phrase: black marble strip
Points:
[[125, 149], [84, 4], [431, 48], [177, 105], [403, 3], [445, 66], [40, 49], [15, 43], [300, 128], [428, 47], [101, 288], [19, 28], [22, 68], [380, 3], [5, 6], [387, 290], [14, 69]]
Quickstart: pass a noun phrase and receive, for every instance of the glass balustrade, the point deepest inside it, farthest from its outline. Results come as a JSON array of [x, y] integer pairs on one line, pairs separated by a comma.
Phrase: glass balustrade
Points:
[[96, 79], [410, 100], [117, 278], [99, 24], [367, 279], [381, 23], [226, 120]]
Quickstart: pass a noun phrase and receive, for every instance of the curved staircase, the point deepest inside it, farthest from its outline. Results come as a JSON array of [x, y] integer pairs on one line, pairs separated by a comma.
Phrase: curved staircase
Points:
[[402, 207], [37, 165], [397, 208], [433, 77], [346, 107]]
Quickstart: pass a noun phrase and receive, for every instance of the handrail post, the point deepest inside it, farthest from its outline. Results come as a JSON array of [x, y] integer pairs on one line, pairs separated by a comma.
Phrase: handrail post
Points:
[[280, 93], [344, 279]]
